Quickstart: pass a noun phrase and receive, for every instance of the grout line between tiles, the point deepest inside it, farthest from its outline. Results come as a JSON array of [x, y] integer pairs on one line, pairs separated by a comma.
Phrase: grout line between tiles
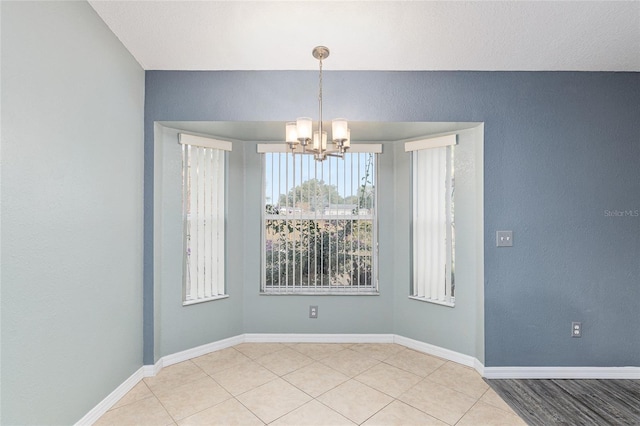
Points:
[[390, 402], [465, 413]]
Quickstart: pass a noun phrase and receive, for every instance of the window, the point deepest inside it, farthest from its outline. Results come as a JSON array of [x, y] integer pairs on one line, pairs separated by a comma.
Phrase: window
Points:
[[203, 213], [319, 223], [433, 225]]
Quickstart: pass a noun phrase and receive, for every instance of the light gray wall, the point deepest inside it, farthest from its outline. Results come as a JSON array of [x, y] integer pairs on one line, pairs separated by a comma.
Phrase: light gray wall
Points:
[[178, 327], [390, 312], [461, 328], [72, 149], [336, 314]]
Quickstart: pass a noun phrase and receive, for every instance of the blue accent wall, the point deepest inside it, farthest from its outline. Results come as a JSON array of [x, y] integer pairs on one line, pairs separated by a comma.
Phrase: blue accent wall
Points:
[[561, 157]]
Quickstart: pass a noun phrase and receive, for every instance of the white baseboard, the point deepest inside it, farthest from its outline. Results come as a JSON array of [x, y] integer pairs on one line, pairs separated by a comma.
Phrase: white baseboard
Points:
[[96, 412], [562, 373], [152, 370], [177, 357], [447, 354], [318, 338], [167, 360]]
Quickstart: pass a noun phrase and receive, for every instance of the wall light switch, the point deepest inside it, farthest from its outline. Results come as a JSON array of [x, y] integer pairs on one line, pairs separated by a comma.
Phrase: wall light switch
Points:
[[504, 238]]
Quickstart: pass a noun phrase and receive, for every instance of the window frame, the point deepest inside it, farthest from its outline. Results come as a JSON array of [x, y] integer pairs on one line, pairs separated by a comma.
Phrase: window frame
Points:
[[351, 290]]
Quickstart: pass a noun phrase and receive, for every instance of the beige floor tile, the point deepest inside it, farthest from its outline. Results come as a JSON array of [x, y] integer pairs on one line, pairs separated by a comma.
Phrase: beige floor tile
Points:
[[353, 383], [147, 411], [313, 413], [315, 379], [438, 401], [415, 362], [349, 362], [400, 414], [190, 398], [284, 361], [220, 360], [243, 377], [138, 392], [388, 379], [229, 412], [379, 351], [318, 351], [460, 378], [256, 350], [484, 414], [174, 375], [355, 401], [273, 400], [492, 398]]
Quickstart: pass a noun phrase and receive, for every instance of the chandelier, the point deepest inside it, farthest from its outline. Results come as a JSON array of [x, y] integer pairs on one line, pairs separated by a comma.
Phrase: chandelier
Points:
[[301, 137]]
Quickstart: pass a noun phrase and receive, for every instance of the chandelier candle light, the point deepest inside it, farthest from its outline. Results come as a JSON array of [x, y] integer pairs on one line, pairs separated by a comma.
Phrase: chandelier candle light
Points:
[[315, 142]]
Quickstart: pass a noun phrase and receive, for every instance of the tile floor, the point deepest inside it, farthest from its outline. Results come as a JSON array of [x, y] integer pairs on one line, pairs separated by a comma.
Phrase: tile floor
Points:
[[313, 384]]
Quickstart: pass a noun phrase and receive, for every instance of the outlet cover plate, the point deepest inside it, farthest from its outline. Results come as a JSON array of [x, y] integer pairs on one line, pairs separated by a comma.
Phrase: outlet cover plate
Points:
[[576, 329], [313, 312], [504, 238]]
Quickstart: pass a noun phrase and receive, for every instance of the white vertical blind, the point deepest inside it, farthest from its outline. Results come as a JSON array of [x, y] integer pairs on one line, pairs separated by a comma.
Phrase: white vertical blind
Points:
[[203, 171], [432, 219], [319, 223]]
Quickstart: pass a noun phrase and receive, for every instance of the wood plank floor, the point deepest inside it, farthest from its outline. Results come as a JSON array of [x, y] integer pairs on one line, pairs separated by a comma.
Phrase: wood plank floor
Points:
[[572, 402]]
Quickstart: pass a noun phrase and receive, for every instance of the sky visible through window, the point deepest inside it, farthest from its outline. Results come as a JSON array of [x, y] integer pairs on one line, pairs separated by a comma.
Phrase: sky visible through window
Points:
[[284, 171]]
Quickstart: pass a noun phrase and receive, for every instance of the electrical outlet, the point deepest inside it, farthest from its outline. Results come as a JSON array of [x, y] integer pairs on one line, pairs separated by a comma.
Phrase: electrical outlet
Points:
[[576, 329], [313, 312]]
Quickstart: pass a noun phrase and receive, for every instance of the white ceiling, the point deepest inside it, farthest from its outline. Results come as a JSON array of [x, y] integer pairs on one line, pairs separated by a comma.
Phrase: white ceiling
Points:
[[378, 35]]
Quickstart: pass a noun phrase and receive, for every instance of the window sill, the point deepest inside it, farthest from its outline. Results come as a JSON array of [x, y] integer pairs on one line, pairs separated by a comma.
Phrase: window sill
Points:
[[208, 299], [435, 302], [320, 292]]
